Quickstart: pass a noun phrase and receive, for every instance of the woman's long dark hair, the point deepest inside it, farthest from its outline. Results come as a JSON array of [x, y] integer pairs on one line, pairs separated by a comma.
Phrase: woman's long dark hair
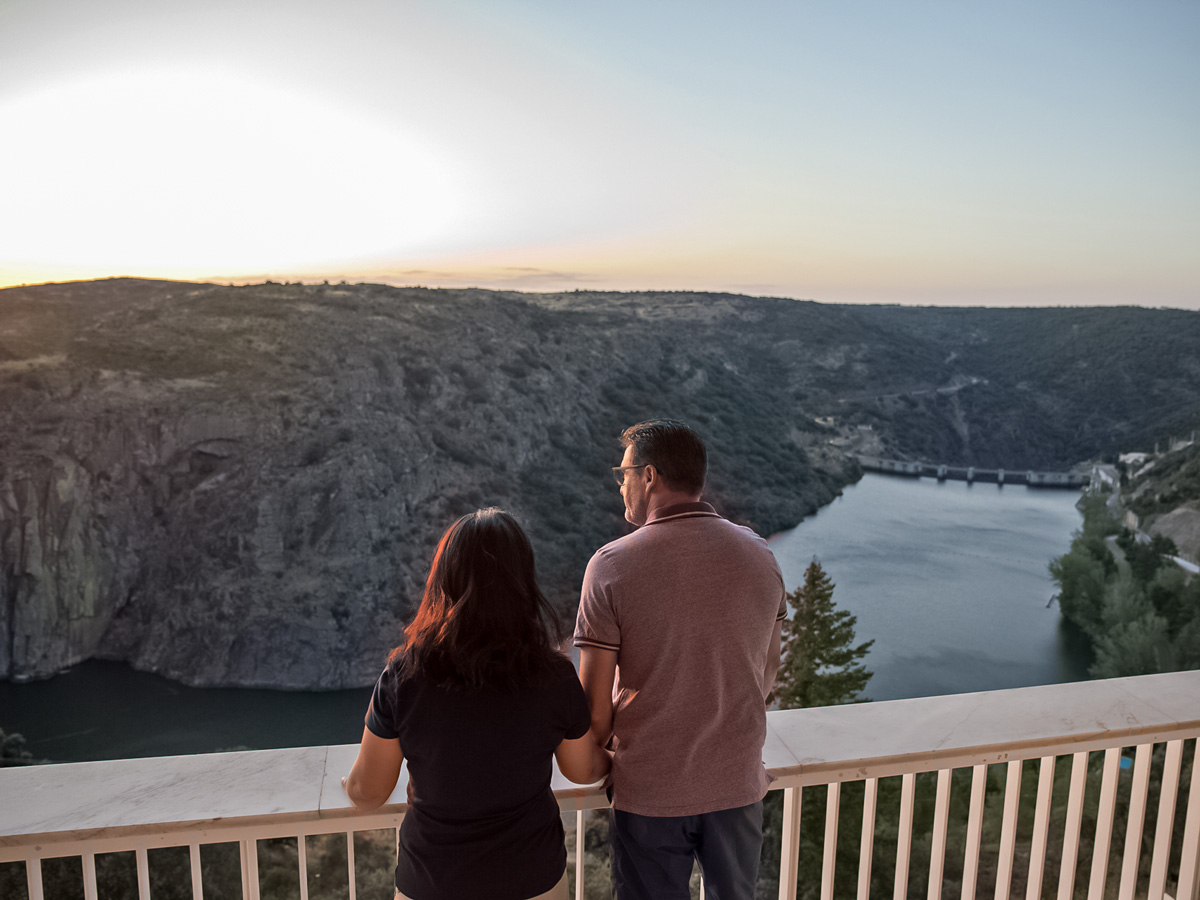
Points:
[[483, 621]]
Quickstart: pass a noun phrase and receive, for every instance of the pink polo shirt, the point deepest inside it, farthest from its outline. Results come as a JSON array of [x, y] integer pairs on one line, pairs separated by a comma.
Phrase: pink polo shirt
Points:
[[689, 602]]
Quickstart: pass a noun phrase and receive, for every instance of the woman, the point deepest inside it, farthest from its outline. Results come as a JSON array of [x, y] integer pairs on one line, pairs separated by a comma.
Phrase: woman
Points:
[[478, 699]]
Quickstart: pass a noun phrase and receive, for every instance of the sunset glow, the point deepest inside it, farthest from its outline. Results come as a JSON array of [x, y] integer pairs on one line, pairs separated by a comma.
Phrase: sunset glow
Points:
[[183, 170], [1027, 155]]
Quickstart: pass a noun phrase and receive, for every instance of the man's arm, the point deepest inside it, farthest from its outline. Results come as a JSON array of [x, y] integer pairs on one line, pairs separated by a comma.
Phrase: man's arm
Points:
[[772, 661], [597, 671]]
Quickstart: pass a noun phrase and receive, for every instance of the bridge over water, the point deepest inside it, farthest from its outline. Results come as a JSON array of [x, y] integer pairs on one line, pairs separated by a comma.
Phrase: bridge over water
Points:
[[969, 474]]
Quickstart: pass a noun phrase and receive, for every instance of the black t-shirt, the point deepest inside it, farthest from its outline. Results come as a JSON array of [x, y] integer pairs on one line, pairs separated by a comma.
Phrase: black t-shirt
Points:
[[482, 821]]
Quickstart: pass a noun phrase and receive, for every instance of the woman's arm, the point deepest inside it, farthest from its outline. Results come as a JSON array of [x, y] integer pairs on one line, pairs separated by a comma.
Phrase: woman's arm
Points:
[[375, 772], [582, 761]]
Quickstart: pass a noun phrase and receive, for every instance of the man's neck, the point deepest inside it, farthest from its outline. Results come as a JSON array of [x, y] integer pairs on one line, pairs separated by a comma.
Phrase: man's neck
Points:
[[668, 498]]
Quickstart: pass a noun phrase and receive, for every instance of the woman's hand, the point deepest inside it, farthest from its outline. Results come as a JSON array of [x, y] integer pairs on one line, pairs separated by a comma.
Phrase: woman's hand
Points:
[[375, 772]]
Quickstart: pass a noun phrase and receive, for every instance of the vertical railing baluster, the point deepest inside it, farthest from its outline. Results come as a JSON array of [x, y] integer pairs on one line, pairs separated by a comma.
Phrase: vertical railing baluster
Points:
[[1104, 822], [197, 875], [789, 855], [1070, 851], [89, 876], [252, 868], [1189, 860], [579, 841], [33, 877], [143, 874], [245, 869], [904, 836], [833, 800], [302, 864], [1041, 829], [1008, 830], [941, 820], [350, 863], [974, 831], [867, 847], [1136, 821], [1165, 828]]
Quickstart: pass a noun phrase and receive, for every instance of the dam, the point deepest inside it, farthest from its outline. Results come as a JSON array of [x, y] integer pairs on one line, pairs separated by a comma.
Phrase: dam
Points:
[[915, 469]]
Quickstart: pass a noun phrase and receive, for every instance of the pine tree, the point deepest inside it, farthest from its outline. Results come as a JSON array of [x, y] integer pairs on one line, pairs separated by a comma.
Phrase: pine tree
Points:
[[820, 662], [820, 667]]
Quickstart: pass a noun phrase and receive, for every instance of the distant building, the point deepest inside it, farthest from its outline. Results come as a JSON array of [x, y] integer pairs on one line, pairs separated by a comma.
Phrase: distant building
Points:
[[1178, 444], [1102, 476]]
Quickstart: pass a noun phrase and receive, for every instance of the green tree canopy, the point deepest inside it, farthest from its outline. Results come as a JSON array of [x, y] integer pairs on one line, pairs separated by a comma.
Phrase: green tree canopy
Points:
[[821, 665], [12, 749], [1142, 616], [1146, 559]]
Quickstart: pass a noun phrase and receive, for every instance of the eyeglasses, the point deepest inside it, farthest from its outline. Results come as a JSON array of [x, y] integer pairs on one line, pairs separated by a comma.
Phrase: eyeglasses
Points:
[[619, 471]]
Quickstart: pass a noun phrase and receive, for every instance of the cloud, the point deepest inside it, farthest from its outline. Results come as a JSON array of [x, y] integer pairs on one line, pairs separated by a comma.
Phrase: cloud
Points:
[[531, 276], [761, 289], [497, 277], [422, 273]]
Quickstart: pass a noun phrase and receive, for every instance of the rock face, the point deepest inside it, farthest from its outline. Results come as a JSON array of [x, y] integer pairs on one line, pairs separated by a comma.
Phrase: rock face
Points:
[[176, 542], [244, 485], [1182, 525]]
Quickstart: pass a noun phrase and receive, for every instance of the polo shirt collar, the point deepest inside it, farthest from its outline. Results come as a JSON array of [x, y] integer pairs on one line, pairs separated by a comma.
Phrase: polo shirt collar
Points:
[[681, 511]]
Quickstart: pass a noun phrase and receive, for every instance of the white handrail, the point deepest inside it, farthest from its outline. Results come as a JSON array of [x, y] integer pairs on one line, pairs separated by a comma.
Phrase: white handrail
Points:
[[83, 809]]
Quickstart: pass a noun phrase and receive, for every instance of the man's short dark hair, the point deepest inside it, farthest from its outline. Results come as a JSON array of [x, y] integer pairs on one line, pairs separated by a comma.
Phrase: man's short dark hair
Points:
[[673, 448]]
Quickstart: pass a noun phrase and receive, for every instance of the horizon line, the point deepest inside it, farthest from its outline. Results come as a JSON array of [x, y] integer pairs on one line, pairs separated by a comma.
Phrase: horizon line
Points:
[[316, 281]]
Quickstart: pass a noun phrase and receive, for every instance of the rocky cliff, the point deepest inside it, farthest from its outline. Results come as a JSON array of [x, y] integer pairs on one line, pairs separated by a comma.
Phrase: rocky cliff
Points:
[[1164, 494], [243, 485]]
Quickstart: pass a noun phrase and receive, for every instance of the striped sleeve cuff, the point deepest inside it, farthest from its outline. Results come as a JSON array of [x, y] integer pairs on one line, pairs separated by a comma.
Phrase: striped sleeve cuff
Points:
[[581, 641]]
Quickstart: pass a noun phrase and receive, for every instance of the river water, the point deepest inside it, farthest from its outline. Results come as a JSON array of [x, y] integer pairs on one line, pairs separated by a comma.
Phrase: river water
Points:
[[949, 579]]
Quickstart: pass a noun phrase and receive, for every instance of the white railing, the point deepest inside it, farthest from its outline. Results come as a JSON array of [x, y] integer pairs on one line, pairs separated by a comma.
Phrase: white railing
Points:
[[83, 810]]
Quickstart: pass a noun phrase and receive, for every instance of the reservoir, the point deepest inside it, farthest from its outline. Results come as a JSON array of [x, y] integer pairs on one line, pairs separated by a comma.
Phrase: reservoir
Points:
[[949, 579]]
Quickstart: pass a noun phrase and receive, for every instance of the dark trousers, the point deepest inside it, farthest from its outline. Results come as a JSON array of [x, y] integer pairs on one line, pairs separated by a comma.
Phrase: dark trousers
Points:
[[652, 855]]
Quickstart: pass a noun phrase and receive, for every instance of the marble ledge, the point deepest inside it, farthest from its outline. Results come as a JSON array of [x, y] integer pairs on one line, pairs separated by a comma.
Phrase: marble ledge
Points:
[[205, 792], [895, 736], [150, 793], [221, 791]]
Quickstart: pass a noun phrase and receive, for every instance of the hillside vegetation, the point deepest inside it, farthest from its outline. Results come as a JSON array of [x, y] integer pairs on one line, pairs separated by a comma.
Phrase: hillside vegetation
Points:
[[243, 485], [1139, 611]]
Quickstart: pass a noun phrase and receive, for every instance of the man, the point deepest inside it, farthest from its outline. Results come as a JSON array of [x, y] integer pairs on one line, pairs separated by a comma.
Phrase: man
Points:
[[684, 615]]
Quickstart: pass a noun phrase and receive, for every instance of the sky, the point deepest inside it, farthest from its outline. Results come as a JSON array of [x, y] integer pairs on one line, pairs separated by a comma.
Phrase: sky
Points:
[[1015, 154]]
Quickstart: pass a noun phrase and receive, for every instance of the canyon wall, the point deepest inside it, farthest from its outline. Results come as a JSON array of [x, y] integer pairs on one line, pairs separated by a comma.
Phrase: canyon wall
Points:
[[244, 485]]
